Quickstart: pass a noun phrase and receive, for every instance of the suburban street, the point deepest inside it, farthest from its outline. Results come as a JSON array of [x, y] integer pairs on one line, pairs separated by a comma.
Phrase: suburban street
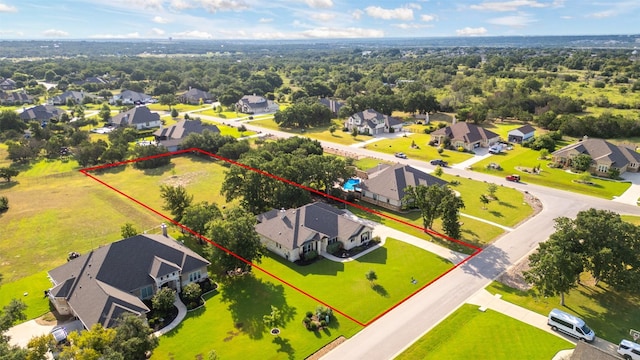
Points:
[[391, 334]]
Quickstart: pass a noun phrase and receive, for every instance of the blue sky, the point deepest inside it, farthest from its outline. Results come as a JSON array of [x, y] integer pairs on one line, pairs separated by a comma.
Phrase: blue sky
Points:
[[311, 19]]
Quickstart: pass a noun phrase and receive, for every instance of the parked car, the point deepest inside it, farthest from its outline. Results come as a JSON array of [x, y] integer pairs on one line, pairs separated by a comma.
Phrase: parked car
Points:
[[400, 155], [629, 350], [439, 162], [59, 334], [515, 178]]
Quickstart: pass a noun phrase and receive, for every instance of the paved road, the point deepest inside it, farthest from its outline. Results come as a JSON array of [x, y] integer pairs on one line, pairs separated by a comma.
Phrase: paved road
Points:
[[392, 333]]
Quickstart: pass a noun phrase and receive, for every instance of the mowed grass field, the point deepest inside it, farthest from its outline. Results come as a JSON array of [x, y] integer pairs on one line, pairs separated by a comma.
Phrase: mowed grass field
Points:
[[422, 152], [472, 334]]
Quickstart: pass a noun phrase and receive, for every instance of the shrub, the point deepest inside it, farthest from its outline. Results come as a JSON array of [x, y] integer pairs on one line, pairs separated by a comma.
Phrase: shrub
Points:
[[191, 292], [323, 323], [334, 247], [311, 255], [461, 148], [376, 239], [313, 326], [309, 314], [306, 321], [440, 149], [4, 204]]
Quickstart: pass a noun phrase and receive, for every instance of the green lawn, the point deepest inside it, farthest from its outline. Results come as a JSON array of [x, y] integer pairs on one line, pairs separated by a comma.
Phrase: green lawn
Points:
[[472, 334], [29, 290], [609, 313], [231, 324], [423, 152], [321, 133], [368, 163], [632, 219], [556, 178], [344, 286]]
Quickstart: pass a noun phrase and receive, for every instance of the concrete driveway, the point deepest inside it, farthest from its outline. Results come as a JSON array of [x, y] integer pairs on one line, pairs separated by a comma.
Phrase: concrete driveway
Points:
[[632, 194], [22, 333]]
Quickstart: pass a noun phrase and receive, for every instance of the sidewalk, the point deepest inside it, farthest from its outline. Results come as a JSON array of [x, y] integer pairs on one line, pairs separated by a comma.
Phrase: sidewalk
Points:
[[481, 154], [182, 312]]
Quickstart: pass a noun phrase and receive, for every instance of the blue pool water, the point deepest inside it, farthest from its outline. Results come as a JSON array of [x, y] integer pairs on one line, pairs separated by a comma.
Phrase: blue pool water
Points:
[[350, 184]]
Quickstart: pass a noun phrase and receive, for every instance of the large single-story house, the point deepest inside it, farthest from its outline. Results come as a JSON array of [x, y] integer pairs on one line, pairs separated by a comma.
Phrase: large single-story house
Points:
[[521, 134], [41, 113], [256, 104], [15, 98], [373, 122], [98, 287], [171, 137], [386, 188], [193, 96], [130, 97], [139, 117], [292, 233], [463, 134], [333, 105], [604, 155], [78, 97]]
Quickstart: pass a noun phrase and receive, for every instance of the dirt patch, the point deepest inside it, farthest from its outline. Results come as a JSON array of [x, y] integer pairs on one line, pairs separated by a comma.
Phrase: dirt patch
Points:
[[535, 204], [513, 277], [52, 318], [183, 180], [327, 348]]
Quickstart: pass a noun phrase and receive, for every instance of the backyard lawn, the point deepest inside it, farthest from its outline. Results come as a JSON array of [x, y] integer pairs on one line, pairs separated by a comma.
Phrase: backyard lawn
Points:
[[611, 314], [556, 178], [422, 152], [470, 333]]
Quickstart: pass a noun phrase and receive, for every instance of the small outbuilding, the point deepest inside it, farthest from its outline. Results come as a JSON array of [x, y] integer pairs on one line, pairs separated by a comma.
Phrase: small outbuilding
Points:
[[521, 134]]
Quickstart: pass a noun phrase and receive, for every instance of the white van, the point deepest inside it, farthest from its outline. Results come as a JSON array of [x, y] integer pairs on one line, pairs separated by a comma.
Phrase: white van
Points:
[[570, 325], [629, 350]]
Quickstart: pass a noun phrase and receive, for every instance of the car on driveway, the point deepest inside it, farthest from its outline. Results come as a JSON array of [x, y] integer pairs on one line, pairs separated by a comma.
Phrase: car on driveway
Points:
[[400, 155], [59, 334], [439, 162], [515, 178]]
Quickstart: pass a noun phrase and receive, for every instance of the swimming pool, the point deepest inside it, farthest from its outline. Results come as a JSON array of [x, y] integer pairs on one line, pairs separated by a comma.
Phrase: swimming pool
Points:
[[350, 185]]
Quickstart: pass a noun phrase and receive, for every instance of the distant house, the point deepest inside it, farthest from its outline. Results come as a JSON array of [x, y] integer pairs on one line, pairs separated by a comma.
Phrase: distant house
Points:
[[78, 97], [15, 98], [463, 134], [333, 105], [41, 113], [100, 286], [171, 137], [129, 97], [604, 155], [386, 187], [92, 80], [372, 122], [139, 117], [255, 104], [521, 134], [293, 233], [7, 84], [193, 96]]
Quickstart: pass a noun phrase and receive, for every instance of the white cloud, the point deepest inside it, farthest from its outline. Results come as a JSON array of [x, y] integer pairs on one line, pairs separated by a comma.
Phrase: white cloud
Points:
[[320, 4], [406, 26], [342, 33], [145, 4], [517, 21], [468, 31], [323, 16], [4, 8], [134, 35], [160, 20], [224, 5], [566, 17], [615, 9], [11, 32], [603, 14], [157, 32], [194, 34], [427, 17], [55, 33], [265, 20], [414, 6], [390, 14], [514, 5], [357, 14]]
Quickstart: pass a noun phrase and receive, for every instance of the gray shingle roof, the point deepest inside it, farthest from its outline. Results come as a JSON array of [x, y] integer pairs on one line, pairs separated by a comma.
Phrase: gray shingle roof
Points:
[[183, 128], [137, 115], [601, 151], [41, 112], [194, 95], [392, 181], [99, 285], [372, 117], [293, 227], [465, 132], [525, 129]]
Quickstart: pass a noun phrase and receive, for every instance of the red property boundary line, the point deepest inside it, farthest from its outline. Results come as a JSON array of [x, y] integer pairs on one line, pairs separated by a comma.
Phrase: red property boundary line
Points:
[[477, 250]]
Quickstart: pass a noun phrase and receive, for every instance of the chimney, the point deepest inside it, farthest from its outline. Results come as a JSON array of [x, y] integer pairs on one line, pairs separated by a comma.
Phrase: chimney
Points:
[[163, 226]]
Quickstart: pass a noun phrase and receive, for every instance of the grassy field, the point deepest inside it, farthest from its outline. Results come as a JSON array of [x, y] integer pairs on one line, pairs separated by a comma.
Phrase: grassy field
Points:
[[609, 313], [632, 219], [469, 333], [30, 291], [321, 133], [556, 178], [423, 152]]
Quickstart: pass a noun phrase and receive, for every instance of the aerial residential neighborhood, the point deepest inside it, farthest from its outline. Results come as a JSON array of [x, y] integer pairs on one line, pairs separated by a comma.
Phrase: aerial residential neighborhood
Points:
[[329, 199]]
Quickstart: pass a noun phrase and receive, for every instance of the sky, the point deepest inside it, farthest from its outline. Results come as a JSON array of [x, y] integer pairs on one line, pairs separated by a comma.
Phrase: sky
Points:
[[311, 19]]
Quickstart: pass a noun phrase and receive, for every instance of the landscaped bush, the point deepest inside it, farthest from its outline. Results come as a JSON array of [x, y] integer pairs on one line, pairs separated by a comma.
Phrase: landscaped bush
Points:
[[334, 247], [311, 255], [4, 204]]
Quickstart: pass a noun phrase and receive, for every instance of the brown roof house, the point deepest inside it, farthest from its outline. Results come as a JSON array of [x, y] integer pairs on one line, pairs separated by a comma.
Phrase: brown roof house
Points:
[[293, 233], [139, 117], [256, 104], [171, 137], [386, 187], [604, 155], [193, 96], [98, 287], [463, 134], [521, 134], [372, 122]]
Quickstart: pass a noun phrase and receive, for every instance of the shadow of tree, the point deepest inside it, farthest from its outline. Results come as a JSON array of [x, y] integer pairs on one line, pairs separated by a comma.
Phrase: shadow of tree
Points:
[[320, 267], [249, 299], [377, 256], [284, 346], [159, 170], [488, 264], [506, 204], [380, 290], [496, 213]]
